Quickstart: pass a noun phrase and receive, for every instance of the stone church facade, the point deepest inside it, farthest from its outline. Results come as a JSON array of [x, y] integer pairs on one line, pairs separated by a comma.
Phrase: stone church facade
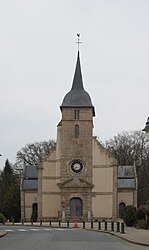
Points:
[[79, 178]]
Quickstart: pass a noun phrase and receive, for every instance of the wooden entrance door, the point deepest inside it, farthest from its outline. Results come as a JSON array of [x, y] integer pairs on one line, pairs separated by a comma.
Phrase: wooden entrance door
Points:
[[76, 207]]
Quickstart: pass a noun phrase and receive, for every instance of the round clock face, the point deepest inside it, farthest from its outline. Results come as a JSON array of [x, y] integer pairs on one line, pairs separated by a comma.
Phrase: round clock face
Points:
[[76, 166]]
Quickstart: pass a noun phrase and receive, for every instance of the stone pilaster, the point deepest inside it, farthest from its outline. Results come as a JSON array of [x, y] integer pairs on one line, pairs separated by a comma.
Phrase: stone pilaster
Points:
[[135, 200], [115, 192], [40, 170]]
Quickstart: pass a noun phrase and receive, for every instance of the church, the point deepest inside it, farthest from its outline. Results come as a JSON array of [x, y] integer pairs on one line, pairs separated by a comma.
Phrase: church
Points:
[[80, 177]]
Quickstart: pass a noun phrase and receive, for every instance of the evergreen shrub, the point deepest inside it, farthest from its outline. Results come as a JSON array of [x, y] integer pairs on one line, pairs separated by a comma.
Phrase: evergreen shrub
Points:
[[2, 218], [141, 224], [140, 214], [130, 216]]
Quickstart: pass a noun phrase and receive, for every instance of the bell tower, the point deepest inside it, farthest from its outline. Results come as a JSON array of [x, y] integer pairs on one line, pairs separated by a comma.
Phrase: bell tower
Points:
[[76, 129]]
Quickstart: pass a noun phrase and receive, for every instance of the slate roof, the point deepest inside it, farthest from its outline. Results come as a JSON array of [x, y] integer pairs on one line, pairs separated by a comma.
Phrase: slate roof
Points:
[[30, 185], [126, 177], [30, 178], [30, 172], [77, 96]]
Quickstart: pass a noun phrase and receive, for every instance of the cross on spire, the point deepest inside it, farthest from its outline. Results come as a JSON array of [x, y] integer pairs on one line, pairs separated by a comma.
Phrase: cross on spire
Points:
[[78, 42]]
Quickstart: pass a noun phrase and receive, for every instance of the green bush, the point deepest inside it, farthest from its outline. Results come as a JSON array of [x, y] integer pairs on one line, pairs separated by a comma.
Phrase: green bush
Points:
[[2, 218], [141, 224], [140, 214], [130, 216], [147, 210]]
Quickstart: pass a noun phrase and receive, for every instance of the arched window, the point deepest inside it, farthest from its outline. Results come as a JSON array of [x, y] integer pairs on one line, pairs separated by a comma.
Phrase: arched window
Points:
[[76, 207], [122, 206], [34, 211], [76, 114], [76, 131]]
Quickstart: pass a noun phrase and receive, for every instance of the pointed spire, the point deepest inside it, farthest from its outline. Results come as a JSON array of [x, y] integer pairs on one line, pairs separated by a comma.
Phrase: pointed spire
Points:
[[77, 80], [146, 129], [77, 96]]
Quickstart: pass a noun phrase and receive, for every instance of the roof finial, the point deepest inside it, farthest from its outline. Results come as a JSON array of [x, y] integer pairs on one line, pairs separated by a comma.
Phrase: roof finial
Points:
[[78, 42]]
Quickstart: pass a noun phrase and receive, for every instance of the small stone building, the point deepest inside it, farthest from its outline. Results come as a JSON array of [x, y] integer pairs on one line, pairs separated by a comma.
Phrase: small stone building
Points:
[[80, 177]]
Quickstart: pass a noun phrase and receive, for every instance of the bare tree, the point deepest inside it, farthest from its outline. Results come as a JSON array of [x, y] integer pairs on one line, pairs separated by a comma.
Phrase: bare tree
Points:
[[130, 147], [34, 153]]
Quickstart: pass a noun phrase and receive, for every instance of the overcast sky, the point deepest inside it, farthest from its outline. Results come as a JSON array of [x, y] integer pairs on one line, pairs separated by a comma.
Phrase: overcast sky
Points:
[[38, 57]]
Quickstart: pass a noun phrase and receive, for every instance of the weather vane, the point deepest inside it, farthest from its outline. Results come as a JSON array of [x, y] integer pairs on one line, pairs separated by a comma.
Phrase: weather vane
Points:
[[78, 42]]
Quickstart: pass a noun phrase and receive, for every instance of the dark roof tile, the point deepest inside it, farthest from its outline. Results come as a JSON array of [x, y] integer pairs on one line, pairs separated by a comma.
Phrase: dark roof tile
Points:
[[77, 96]]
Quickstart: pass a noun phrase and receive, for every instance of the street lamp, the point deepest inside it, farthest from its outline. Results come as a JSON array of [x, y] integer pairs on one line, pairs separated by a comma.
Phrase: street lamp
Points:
[[146, 129]]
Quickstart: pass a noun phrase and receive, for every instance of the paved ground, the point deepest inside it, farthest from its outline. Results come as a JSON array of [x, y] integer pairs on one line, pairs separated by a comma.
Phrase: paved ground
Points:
[[2, 233], [33, 237], [138, 236]]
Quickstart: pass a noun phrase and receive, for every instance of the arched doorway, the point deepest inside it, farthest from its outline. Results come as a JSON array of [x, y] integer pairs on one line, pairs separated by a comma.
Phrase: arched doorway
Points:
[[76, 207], [122, 206], [34, 211]]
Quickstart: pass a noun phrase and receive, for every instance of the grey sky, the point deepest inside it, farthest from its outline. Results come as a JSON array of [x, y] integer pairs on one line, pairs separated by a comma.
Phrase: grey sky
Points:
[[38, 57]]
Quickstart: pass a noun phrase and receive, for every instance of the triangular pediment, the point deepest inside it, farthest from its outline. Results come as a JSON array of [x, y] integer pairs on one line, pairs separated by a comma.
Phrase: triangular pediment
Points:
[[75, 183], [101, 155]]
